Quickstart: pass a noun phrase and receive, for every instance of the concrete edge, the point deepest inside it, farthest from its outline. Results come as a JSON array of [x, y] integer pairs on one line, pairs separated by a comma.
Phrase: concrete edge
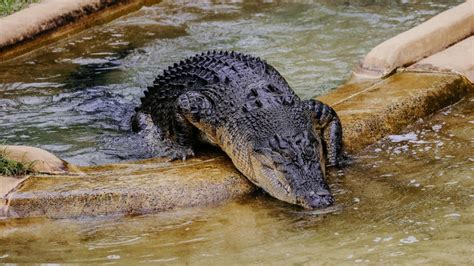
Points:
[[9, 185], [452, 59], [139, 187], [51, 20], [430, 37], [43, 162], [396, 115], [372, 83]]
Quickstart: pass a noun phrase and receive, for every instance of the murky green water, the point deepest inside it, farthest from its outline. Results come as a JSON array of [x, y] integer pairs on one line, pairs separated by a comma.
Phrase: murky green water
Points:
[[75, 98], [406, 200]]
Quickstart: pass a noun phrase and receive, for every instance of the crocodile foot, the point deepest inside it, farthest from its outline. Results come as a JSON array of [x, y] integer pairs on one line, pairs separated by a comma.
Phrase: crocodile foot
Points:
[[343, 161], [179, 153]]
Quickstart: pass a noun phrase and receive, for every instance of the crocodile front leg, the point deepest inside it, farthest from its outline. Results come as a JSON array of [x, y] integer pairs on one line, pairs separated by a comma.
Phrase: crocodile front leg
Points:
[[327, 122], [193, 110]]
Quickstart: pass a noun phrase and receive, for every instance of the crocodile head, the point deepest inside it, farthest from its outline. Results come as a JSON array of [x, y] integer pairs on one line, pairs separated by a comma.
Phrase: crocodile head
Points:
[[292, 168]]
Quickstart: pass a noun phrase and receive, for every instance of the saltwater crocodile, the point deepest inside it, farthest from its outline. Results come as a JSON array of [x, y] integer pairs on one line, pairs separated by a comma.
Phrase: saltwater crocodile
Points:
[[244, 106]]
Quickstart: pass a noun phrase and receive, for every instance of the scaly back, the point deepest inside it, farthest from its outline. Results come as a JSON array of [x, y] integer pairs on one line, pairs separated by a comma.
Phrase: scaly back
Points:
[[227, 70]]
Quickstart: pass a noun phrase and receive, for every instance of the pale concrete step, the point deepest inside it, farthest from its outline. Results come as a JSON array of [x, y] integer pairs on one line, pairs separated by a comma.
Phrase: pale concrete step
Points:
[[458, 58], [428, 38]]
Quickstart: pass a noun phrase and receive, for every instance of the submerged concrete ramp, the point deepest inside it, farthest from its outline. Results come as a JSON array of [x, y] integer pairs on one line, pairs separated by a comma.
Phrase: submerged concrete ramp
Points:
[[368, 111]]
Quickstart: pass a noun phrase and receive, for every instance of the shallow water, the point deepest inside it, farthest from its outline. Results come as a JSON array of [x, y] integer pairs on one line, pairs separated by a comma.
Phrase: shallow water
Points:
[[407, 200], [75, 98]]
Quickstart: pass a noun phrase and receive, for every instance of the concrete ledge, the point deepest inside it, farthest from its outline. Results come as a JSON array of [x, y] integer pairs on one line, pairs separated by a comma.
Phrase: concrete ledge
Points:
[[7, 184], [140, 187], [50, 20], [368, 111], [458, 58], [424, 40], [42, 161], [387, 106]]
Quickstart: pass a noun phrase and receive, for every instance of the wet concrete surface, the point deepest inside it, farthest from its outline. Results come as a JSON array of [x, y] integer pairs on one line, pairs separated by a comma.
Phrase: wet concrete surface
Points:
[[386, 107], [133, 188]]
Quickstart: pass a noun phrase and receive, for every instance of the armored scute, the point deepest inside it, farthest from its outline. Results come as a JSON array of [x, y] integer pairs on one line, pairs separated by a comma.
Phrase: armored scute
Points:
[[244, 106]]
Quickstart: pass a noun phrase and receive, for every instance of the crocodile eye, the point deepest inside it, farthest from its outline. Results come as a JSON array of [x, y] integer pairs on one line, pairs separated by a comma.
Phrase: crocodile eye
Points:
[[287, 154], [310, 153], [277, 142]]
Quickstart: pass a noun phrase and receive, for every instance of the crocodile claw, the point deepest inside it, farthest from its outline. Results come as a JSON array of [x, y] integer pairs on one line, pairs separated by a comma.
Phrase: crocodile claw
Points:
[[180, 153]]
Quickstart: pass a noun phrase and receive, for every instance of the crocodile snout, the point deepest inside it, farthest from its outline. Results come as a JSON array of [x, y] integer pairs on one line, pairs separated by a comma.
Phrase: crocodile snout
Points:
[[320, 199]]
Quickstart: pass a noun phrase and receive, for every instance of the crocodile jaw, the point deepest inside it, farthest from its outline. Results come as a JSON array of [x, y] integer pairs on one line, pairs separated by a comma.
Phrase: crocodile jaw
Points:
[[285, 186], [304, 186]]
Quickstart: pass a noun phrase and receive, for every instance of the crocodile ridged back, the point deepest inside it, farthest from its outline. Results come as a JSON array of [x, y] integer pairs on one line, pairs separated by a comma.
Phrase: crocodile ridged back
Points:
[[223, 69]]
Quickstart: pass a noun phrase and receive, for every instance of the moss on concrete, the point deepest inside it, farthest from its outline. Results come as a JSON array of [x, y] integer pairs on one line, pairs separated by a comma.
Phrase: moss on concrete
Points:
[[7, 7], [38, 160], [11, 167]]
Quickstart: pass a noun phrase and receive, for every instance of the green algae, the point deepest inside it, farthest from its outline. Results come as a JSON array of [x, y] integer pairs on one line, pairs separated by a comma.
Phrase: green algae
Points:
[[8, 7], [13, 168]]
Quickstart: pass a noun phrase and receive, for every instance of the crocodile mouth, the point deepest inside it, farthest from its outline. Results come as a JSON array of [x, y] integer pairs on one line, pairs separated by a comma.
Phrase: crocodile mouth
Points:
[[316, 200], [266, 176], [270, 173]]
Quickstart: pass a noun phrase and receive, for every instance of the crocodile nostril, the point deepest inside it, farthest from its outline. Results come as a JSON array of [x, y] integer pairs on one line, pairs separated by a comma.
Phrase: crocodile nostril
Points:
[[320, 199]]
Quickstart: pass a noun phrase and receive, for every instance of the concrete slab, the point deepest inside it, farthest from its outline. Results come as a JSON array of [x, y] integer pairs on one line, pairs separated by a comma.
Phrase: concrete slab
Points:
[[458, 58], [421, 41], [41, 160], [7, 183], [389, 105], [368, 111], [133, 188], [50, 20]]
